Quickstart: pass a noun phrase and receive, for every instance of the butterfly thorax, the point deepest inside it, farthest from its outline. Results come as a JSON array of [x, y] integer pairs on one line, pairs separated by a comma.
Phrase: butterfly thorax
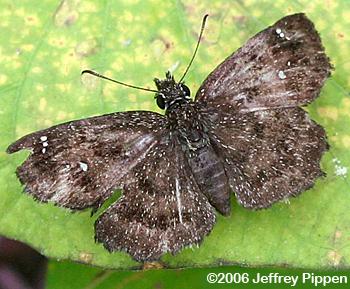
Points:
[[185, 120]]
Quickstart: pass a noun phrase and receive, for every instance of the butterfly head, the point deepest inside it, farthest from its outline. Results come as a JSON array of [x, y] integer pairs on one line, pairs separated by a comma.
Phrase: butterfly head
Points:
[[170, 92]]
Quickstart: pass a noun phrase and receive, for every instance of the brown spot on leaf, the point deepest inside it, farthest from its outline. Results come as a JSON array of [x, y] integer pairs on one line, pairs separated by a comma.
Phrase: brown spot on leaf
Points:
[[161, 45], [85, 257], [152, 265], [240, 19], [340, 35], [337, 235], [334, 257], [86, 48], [66, 14]]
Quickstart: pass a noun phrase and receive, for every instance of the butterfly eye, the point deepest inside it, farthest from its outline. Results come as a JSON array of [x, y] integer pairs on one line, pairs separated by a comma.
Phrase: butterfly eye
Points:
[[161, 101], [185, 89]]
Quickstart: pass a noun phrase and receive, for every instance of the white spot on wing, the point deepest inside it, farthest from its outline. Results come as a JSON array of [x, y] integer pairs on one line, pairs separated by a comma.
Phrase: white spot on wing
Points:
[[280, 33], [43, 138], [63, 189], [178, 199], [281, 74], [143, 141], [83, 166]]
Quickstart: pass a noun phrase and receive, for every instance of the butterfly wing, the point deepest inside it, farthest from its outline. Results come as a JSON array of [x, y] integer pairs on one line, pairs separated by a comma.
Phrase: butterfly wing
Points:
[[282, 66], [268, 155], [161, 210], [78, 164]]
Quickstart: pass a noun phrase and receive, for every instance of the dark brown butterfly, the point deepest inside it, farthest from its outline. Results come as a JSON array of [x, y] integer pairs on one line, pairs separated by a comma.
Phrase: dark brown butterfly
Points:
[[245, 133]]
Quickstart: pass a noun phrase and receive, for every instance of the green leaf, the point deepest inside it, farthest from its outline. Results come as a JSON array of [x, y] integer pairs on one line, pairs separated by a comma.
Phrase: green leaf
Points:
[[44, 47], [76, 276]]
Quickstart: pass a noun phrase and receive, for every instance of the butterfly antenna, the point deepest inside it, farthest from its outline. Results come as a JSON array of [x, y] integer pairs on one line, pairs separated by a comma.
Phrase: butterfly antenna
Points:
[[116, 81], [195, 51]]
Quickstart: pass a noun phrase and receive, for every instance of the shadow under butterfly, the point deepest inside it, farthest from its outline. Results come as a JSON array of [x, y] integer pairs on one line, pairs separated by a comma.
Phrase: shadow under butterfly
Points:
[[245, 133]]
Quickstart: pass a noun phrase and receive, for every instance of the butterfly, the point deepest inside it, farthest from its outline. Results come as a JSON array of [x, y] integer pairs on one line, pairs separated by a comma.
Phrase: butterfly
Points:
[[244, 134]]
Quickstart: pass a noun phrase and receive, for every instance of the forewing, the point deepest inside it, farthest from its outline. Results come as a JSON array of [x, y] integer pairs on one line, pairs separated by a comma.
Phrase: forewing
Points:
[[282, 66], [269, 155], [78, 164], [161, 210]]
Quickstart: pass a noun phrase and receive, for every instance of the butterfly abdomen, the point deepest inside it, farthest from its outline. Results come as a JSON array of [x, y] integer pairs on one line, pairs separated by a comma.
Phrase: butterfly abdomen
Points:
[[211, 178]]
